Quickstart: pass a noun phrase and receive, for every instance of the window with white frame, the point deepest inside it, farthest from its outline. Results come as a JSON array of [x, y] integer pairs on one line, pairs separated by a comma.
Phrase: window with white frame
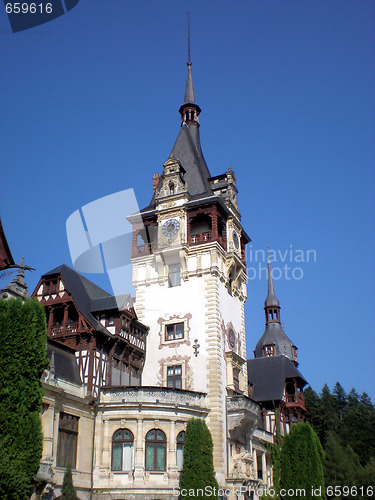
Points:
[[174, 376], [174, 331], [156, 450], [123, 450]]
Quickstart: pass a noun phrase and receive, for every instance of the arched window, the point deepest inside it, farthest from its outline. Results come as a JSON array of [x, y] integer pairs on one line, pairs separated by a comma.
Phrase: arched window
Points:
[[171, 188], [123, 450], [180, 449], [156, 450]]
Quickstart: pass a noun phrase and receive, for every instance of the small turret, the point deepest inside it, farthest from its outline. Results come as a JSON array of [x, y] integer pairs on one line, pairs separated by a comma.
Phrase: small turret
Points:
[[274, 341]]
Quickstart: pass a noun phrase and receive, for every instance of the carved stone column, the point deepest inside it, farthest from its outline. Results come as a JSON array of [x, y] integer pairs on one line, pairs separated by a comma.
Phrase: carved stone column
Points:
[[172, 453], [139, 468]]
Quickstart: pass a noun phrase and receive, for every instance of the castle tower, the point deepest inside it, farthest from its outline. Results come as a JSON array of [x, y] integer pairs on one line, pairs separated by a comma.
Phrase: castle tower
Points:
[[189, 273], [274, 341], [274, 380]]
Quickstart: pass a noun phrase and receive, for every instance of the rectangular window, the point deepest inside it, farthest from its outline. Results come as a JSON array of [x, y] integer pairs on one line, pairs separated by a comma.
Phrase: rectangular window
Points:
[[174, 376], [174, 277], [67, 440], [174, 331]]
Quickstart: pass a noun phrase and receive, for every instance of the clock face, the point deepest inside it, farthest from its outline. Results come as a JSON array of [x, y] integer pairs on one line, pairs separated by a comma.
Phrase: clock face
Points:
[[235, 239], [170, 228], [232, 338]]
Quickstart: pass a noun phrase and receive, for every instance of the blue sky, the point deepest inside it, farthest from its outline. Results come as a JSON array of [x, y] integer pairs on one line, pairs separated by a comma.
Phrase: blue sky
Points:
[[89, 106]]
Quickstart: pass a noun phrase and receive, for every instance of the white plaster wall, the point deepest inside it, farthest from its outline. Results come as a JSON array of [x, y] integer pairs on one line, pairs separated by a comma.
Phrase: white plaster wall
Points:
[[162, 302]]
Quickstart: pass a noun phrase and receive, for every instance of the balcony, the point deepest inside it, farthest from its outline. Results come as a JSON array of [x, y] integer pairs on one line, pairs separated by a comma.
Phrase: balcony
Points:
[[152, 397], [59, 329], [195, 239], [147, 248], [242, 414], [294, 400], [135, 339]]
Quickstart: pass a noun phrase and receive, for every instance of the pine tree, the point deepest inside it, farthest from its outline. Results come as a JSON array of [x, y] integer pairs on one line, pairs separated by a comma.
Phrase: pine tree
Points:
[[68, 491], [22, 361], [198, 469], [314, 413], [340, 400], [301, 461], [346, 425]]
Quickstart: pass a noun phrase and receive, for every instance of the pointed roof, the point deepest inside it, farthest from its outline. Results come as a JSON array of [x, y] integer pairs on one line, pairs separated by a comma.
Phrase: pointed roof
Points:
[[187, 150], [271, 300], [189, 89], [6, 258], [86, 295], [275, 335], [18, 287]]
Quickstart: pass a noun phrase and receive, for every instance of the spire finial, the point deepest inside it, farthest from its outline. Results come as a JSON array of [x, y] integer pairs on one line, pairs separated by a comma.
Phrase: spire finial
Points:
[[189, 60], [271, 300], [189, 109]]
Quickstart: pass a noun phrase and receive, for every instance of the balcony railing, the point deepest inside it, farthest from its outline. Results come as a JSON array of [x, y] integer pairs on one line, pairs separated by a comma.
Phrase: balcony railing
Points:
[[133, 338], [200, 237], [67, 328], [147, 248], [294, 399]]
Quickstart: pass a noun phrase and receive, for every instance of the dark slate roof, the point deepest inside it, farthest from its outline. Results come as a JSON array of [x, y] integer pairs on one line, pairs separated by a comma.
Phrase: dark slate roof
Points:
[[271, 299], [275, 335], [187, 150], [66, 366], [189, 89], [6, 257], [84, 293], [111, 302], [268, 376]]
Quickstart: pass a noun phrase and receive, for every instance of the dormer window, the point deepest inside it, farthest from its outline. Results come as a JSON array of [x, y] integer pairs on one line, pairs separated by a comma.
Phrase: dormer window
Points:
[[269, 350]]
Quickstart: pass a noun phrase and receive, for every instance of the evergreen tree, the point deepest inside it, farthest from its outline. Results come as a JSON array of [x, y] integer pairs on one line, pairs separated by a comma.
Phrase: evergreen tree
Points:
[[329, 415], [314, 413], [346, 427], [367, 475], [68, 491], [340, 400], [198, 469], [301, 461], [341, 465], [22, 361]]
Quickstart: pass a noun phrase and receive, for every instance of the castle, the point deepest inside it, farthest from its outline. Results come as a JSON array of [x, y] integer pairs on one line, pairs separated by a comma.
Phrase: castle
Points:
[[123, 381]]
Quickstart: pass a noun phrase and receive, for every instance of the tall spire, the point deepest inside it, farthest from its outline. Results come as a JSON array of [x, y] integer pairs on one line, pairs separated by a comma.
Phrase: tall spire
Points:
[[271, 304], [274, 341], [271, 299], [189, 109]]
